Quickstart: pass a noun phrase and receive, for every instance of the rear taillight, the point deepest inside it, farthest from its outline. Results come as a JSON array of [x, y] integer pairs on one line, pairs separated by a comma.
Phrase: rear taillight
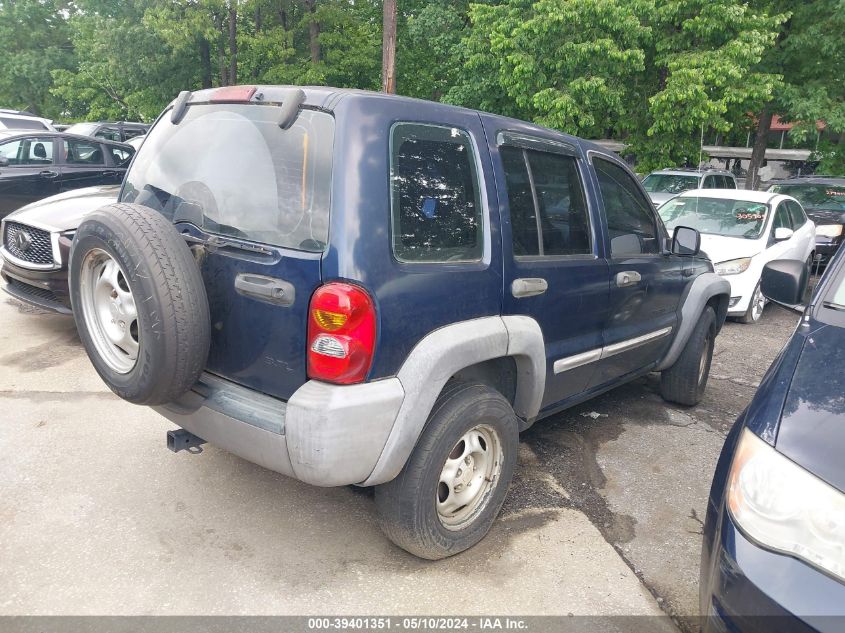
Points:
[[341, 333]]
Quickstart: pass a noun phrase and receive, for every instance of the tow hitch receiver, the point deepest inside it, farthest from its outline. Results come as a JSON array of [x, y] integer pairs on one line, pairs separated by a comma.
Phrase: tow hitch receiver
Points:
[[182, 440]]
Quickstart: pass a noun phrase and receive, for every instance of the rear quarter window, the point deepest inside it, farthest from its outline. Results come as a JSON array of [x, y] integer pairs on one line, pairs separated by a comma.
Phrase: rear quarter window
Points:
[[436, 211]]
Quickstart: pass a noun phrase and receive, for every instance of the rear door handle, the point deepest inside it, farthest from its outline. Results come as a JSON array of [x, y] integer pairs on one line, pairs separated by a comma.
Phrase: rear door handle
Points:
[[628, 278], [48, 174], [266, 289], [528, 287], [109, 173]]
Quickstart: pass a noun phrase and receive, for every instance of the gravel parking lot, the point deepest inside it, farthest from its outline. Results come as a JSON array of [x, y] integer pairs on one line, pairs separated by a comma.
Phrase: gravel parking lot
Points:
[[97, 517]]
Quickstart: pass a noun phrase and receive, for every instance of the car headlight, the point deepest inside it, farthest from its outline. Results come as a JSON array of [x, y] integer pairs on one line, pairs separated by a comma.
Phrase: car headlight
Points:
[[829, 230], [786, 508], [733, 266]]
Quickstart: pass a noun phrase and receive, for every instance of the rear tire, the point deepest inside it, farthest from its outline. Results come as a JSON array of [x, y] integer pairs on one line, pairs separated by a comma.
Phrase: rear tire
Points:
[[685, 381], [431, 508], [139, 303]]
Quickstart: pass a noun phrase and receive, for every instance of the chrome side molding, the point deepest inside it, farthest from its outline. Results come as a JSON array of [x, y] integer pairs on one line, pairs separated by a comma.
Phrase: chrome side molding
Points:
[[571, 362]]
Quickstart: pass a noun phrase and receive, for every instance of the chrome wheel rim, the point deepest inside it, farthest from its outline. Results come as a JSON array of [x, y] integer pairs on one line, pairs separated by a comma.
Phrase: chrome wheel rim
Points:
[[702, 362], [469, 477], [109, 310], [758, 302]]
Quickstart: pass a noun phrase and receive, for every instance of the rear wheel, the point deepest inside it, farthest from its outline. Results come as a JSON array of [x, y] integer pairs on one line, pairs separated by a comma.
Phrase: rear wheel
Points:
[[685, 381], [455, 481], [139, 303]]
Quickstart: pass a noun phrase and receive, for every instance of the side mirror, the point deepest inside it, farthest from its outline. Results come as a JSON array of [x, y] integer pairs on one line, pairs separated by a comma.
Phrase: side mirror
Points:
[[785, 281], [4, 162], [686, 241], [782, 233]]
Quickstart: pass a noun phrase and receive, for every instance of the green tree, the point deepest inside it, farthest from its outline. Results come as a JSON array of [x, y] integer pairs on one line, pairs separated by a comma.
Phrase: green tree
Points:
[[36, 41], [809, 57]]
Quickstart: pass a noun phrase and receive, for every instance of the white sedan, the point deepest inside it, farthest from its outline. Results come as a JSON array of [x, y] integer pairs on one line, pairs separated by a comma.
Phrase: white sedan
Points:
[[741, 231]]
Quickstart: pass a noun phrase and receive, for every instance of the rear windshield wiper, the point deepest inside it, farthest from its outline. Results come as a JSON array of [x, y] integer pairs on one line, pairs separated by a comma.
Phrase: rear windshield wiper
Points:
[[215, 242]]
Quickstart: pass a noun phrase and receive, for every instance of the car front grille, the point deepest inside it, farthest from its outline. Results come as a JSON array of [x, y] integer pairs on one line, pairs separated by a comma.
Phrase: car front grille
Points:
[[28, 244]]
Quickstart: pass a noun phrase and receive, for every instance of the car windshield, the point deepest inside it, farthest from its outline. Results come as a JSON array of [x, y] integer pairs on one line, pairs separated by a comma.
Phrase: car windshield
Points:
[[669, 183], [829, 197], [83, 129], [716, 216], [231, 170]]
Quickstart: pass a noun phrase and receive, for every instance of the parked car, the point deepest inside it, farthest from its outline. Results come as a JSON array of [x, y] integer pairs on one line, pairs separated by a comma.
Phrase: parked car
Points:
[[823, 198], [36, 244], [21, 120], [36, 165], [741, 231], [773, 535], [120, 131], [358, 288], [665, 184]]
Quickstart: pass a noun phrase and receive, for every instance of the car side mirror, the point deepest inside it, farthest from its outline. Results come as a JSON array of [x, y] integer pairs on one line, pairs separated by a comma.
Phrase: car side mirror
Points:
[[4, 162], [785, 281], [686, 241], [782, 233]]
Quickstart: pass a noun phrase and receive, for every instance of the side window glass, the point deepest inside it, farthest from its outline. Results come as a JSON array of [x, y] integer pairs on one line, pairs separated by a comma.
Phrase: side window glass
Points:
[[435, 203], [526, 239], [38, 151], [119, 155], [553, 221], [782, 219], [108, 134], [130, 132], [83, 153], [12, 151], [630, 217], [796, 214], [28, 151]]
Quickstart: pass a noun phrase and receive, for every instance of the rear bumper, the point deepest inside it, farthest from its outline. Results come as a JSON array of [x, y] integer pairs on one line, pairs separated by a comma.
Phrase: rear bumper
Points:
[[325, 435]]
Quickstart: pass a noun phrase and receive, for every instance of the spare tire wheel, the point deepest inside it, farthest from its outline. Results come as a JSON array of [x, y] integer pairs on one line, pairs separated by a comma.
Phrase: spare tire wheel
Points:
[[139, 303]]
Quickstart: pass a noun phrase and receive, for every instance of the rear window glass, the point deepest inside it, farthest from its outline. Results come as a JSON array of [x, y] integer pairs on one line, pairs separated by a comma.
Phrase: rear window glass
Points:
[[436, 210], [231, 170]]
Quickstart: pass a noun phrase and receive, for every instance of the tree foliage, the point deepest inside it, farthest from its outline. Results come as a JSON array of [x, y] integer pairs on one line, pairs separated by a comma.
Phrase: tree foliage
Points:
[[654, 73]]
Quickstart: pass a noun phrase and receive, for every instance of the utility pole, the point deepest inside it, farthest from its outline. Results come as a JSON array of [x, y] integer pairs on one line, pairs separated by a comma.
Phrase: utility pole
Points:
[[388, 51]]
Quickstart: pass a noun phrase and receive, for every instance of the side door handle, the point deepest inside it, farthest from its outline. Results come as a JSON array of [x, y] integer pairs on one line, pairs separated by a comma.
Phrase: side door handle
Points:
[[109, 173], [48, 174], [528, 287], [627, 278], [266, 289]]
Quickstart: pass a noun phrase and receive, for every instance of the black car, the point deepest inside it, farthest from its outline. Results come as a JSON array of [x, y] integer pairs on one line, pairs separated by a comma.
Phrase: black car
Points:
[[823, 198], [120, 131], [35, 165]]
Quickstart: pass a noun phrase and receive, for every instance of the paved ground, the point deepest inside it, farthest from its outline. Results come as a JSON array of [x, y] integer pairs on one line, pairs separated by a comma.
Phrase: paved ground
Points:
[[96, 516]]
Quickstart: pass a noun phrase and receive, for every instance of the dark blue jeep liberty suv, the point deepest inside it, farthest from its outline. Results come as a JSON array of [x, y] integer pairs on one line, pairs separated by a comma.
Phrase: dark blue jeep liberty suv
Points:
[[356, 288]]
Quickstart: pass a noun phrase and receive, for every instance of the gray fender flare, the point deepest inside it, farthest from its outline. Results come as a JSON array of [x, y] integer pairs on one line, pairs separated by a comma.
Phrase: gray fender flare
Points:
[[444, 352], [705, 287]]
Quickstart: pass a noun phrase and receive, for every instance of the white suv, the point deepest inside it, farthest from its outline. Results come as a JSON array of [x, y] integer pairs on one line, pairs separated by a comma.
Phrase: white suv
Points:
[[17, 120], [665, 184]]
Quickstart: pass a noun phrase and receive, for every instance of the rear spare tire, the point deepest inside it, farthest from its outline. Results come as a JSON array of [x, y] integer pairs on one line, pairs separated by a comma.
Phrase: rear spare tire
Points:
[[139, 303]]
